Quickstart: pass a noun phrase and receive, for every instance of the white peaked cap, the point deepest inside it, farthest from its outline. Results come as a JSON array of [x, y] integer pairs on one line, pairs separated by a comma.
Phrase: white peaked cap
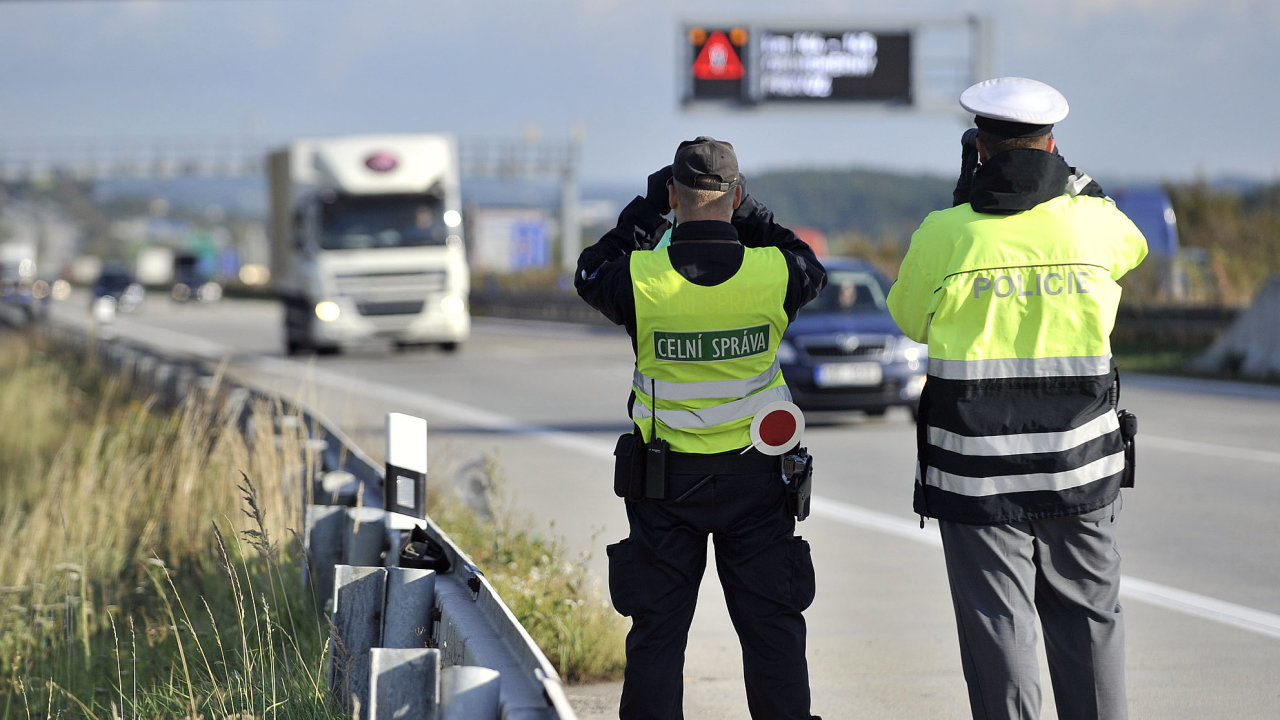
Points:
[[1015, 99]]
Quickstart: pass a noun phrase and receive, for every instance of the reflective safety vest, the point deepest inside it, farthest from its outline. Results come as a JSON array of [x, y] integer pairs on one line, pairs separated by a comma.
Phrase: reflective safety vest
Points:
[[1016, 419], [706, 357]]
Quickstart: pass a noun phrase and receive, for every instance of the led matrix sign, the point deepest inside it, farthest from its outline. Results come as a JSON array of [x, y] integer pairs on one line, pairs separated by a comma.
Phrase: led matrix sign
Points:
[[760, 66], [821, 65]]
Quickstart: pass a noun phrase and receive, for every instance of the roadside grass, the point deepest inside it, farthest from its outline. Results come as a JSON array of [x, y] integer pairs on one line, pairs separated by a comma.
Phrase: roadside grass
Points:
[[144, 574], [553, 595], [150, 567]]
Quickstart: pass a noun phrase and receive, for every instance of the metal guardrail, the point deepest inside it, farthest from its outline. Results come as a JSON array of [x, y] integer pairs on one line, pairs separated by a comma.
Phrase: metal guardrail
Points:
[[474, 641]]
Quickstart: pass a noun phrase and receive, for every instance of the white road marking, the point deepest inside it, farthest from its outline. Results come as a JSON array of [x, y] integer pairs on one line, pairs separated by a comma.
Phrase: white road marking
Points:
[[1210, 449], [1169, 598]]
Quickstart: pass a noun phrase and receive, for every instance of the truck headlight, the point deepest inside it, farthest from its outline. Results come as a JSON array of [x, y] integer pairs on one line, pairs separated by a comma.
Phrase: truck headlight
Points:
[[328, 311], [452, 305]]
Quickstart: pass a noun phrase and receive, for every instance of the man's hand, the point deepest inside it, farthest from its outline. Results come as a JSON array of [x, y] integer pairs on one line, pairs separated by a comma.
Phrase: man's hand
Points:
[[968, 166], [657, 191]]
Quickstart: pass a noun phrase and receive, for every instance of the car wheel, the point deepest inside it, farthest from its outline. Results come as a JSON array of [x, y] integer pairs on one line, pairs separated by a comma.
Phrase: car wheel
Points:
[[877, 411]]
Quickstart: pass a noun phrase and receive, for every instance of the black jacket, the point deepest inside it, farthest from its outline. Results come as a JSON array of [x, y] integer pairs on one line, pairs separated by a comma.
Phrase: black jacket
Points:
[[706, 252]]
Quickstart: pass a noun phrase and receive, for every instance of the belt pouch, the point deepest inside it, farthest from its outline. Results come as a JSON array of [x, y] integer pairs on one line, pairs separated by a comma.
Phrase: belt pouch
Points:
[[629, 467]]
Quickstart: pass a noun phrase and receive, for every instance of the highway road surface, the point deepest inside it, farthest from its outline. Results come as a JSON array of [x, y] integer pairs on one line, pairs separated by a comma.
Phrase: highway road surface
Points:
[[1199, 534]]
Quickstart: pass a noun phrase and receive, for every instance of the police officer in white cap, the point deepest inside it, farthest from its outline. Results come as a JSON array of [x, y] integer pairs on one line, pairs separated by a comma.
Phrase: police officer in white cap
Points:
[[1021, 449]]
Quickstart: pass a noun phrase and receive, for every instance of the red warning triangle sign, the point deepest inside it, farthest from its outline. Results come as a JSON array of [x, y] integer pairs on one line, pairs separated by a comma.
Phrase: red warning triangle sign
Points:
[[718, 60]]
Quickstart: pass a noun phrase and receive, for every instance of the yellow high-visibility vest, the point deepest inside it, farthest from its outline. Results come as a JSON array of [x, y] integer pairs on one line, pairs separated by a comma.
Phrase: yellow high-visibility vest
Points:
[[706, 357], [1017, 311]]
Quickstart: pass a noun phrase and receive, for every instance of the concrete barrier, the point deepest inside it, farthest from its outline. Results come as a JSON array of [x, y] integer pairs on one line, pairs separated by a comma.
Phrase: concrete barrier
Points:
[[1251, 347]]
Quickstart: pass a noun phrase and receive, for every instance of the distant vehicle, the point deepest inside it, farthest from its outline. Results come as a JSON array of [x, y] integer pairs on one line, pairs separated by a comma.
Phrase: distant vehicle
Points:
[[191, 282], [366, 242], [844, 351], [1152, 211], [117, 284]]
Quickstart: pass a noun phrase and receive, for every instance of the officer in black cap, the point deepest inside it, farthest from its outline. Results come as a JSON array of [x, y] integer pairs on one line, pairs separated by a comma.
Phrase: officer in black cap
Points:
[[705, 316]]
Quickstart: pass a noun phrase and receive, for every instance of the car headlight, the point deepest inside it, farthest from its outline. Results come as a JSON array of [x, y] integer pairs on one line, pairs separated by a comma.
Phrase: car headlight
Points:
[[911, 351], [328, 311], [787, 354], [210, 292]]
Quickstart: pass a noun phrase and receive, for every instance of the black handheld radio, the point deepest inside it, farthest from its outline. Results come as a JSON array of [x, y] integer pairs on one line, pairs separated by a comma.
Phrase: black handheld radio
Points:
[[655, 455]]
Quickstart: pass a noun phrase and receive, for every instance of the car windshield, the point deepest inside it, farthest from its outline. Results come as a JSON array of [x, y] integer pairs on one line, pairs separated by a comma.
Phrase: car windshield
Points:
[[850, 291], [116, 278], [387, 221]]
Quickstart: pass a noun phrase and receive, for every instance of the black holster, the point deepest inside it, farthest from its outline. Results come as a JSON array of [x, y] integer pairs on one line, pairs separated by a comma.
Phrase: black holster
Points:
[[797, 475], [1128, 431]]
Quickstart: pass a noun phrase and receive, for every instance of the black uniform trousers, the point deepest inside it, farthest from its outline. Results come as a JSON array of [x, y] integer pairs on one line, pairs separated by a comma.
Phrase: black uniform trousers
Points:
[[766, 573]]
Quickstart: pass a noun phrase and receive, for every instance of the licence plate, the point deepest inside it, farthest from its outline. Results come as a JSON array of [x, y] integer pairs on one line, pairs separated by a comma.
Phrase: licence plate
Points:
[[848, 375]]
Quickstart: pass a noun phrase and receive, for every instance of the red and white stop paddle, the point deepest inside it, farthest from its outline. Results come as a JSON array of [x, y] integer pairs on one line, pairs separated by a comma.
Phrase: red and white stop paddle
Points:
[[777, 427]]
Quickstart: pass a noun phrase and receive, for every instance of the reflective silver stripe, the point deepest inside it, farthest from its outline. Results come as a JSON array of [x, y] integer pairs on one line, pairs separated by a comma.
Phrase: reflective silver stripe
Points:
[[678, 391], [999, 485], [714, 415], [1020, 367], [1000, 445]]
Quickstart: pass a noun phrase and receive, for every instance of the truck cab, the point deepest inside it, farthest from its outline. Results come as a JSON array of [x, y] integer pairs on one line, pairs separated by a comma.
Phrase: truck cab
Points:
[[367, 243]]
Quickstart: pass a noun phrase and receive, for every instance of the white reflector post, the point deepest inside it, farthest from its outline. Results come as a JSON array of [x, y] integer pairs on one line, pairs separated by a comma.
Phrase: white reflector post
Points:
[[405, 491]]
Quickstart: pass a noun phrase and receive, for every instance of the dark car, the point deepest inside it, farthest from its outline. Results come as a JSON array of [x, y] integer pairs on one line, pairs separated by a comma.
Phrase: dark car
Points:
[[191, 282], [118, 284], [844, 351]]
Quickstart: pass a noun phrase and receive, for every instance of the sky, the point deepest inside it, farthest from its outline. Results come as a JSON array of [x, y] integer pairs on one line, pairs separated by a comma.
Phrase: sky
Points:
[[1168, 90]]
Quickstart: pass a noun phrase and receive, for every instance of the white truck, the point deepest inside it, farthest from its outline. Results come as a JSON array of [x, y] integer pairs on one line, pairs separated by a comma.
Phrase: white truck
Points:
[[366, 242]]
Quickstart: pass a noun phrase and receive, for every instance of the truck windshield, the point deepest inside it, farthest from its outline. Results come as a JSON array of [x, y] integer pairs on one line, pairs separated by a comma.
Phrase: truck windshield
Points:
[[350, 222]]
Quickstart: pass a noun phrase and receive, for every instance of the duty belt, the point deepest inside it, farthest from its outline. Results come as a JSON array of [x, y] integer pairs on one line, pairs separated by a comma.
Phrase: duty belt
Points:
[[734, 462]]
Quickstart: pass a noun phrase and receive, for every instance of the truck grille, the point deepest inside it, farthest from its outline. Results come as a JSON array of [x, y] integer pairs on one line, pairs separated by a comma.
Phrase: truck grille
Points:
[[391, 282], [391, 292], [403, 307]]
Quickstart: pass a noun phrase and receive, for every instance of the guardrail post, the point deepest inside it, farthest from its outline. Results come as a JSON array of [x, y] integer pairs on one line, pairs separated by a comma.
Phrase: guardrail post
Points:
[[358, 597], [323, 529], [339, 487], [404, 683], [411, 593], [468, 692], [364, 536]]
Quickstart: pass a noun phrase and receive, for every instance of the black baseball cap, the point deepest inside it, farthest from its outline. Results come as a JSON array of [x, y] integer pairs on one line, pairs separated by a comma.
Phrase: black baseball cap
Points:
[[705, 163]]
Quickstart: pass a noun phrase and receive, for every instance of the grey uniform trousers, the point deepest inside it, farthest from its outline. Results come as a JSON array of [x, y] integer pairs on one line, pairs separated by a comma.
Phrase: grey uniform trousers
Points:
[[1068, 571]]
